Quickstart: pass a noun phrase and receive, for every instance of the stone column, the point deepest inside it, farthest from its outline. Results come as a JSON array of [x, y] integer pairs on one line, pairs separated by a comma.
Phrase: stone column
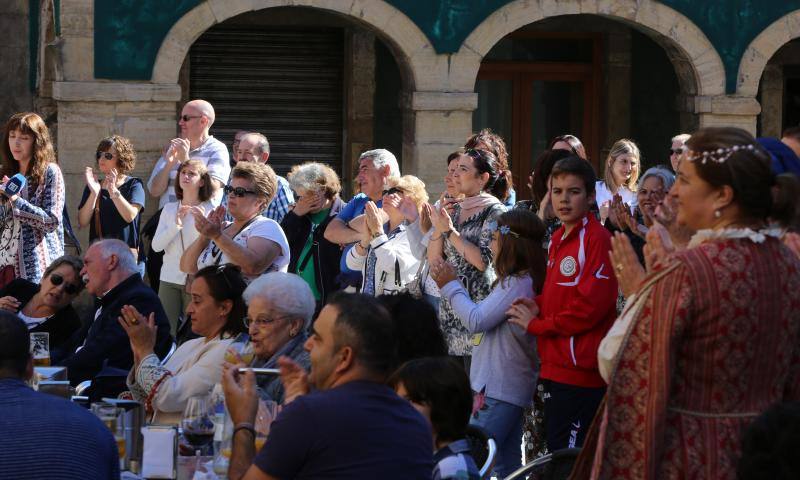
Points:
[[772, 101], [441, 122], [89, 111], [727, 111]]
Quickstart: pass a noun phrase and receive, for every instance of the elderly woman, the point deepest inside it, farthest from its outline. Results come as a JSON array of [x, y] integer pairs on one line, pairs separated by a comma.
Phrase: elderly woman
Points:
[[313, 257], [280, 307], [711, 337], [47, 307], [387, 261], [216, 312], [254, 243]]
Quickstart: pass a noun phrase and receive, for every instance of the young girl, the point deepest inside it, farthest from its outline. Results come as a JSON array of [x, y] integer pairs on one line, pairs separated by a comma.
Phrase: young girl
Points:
[[112, 208], [32, 236], [622, 172], [504, 363], [176, 231]]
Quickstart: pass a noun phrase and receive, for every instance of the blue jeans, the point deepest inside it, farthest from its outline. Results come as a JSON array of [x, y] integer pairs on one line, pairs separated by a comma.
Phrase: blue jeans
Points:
[[503, 421]]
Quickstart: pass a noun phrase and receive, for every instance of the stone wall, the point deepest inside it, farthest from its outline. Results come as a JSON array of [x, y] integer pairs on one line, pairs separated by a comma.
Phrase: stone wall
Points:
[[14, 60]]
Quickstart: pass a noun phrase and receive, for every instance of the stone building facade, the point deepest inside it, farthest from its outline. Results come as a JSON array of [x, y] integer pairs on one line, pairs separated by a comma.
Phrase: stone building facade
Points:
[[92, 80]]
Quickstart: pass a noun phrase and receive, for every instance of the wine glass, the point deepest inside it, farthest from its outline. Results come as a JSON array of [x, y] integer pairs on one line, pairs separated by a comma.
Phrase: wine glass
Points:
[[198, 422], [240, 350]]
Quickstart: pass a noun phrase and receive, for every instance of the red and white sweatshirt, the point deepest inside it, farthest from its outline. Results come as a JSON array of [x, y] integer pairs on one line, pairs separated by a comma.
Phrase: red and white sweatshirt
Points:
[[577, 305]]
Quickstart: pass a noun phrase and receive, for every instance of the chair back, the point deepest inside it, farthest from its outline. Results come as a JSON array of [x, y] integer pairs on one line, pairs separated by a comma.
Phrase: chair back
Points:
[[483, 449], [169, 354]]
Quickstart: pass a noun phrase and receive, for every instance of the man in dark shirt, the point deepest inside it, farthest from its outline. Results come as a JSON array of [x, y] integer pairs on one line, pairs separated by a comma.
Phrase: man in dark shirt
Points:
[[110, 273], [352, 426], [43, 436]]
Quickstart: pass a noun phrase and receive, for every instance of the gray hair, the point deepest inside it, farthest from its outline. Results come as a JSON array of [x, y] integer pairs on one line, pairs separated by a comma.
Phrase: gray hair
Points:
[[314, 177], [111, 246], [683, 138], [381, 157], [262, 144], [667, 177], [289, 294]]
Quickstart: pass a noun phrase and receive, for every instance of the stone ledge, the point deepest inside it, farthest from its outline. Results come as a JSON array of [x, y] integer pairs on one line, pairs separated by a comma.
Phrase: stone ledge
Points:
[[726, 105], [443, 101], [115, 92]]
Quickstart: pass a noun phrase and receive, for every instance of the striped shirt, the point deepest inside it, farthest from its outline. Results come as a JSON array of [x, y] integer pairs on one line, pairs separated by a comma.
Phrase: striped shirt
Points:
[[43, 436]]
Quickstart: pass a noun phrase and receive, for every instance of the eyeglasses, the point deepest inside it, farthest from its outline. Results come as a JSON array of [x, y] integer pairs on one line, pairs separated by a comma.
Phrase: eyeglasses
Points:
[[106, 155], [392, 191], [238, 191], [69, 288], [675, 151], [260, 322], [186, 118]]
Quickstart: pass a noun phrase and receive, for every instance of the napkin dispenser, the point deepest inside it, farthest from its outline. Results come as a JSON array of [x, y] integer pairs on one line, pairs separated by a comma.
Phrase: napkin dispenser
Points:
[[160, 451]]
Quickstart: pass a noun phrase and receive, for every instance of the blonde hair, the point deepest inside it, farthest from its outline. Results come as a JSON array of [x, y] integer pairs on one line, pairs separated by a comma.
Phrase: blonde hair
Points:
[[622, 147], [412, 187]]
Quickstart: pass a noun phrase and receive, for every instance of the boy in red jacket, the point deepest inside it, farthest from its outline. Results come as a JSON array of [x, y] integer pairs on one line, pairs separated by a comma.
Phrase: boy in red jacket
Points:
[[575, 310]]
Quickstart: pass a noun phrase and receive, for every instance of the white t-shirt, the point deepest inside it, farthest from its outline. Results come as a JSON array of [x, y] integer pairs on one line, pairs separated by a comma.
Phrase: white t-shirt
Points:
[[604, 195], [260, 227]]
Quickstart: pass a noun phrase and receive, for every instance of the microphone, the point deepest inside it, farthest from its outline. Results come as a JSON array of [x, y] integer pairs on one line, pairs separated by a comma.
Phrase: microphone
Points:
[[14, 185]]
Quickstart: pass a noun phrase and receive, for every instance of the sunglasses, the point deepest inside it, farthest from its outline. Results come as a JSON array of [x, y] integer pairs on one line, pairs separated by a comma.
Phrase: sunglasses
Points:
[[186, 118], [69, 288], [675, 151], [392, 191], [106, 155], [238, 191]]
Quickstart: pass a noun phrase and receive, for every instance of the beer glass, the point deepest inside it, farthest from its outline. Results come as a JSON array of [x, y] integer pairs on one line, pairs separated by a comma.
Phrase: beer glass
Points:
[[40, 349]]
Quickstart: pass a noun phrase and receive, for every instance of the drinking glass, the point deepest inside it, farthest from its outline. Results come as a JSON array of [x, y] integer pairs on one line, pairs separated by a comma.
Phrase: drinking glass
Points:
[[267, 411], [198, 422], [107, 413], [40, 349], [240, 351]]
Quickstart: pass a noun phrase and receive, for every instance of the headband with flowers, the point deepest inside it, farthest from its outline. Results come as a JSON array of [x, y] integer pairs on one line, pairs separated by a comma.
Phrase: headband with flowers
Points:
[[719, 155], [504, 229]]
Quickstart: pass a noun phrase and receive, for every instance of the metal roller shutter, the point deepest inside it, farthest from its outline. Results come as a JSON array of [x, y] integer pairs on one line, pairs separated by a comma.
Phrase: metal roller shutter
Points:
[[283, 82]]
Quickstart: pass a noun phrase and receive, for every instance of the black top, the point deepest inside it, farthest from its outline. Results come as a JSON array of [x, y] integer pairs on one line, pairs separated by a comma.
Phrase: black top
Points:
[[106, 342], [111, 222], [324, 254], [61, 326]]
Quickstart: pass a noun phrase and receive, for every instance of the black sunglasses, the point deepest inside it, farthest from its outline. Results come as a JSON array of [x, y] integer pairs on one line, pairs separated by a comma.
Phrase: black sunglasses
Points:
[[392, 191], [186, 118], [238, 191], [675, 151], [106, 155], [69, 288]]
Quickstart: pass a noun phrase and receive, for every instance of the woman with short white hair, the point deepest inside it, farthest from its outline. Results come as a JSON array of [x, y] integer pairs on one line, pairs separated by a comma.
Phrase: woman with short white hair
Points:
[[280, 307]]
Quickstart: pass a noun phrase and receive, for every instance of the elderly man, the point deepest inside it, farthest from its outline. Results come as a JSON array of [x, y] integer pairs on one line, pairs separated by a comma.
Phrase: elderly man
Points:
[[352, 425], [676, 149], [254, 147], [111, 274], [237, 138], [374, 168], [279, 310], [194, 142], [43, 436]]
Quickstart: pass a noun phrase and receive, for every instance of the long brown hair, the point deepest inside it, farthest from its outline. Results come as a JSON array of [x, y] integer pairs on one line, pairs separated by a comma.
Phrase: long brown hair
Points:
[[520, 250], [29, 123]]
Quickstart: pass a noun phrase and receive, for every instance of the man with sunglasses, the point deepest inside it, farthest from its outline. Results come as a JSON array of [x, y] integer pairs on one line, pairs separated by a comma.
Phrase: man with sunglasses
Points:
[[676, 149], [194, 142]]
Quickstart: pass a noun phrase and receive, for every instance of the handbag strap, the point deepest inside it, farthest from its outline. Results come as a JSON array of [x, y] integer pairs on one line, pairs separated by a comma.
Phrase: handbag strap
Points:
[[219, 257]]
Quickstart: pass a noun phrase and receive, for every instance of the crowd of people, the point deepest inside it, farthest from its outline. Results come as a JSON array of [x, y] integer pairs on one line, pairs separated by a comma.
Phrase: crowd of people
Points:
[[647, 319]]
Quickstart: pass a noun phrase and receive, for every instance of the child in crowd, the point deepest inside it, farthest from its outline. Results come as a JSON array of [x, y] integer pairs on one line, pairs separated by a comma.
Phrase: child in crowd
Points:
[[574, 311], [504, 365], [438, 388]]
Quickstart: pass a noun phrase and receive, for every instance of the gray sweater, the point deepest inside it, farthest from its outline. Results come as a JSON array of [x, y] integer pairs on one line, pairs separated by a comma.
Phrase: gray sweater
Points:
[[504, 364]]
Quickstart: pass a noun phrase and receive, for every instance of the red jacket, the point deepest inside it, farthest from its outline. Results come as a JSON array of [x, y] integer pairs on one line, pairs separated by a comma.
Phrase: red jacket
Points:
[[577, 305]]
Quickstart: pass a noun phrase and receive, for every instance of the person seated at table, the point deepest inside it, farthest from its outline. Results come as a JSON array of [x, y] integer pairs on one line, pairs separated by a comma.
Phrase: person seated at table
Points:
[[216, 311], [416, 328], [353, 424], [47, 307], [111, 273], [439, 388], [280, 307], [41, 435]]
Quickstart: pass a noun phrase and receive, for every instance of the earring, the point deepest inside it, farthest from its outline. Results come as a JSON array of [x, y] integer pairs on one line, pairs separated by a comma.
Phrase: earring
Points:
[[717, 214], [292, 333]]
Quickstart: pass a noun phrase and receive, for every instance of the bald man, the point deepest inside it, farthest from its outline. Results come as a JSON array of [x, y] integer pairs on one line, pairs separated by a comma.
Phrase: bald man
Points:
[[194, 142]]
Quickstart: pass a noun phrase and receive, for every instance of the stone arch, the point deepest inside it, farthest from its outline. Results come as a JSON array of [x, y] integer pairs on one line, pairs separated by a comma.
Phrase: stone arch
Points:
[[761, 49], [697, 63], [405, 39]]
